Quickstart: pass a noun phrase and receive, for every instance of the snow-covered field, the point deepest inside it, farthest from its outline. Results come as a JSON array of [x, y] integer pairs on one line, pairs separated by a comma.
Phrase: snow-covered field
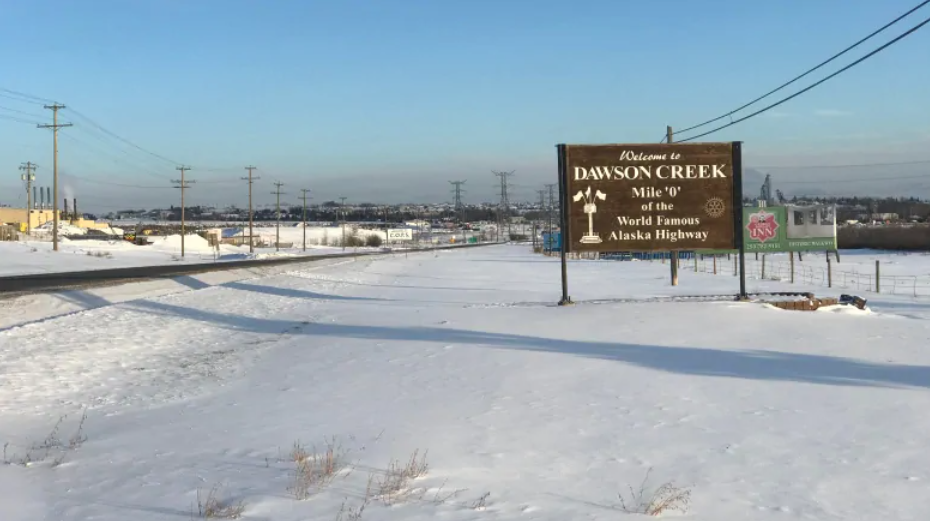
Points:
[[21, 258], [36, 256], [527, 410], [899, 273]]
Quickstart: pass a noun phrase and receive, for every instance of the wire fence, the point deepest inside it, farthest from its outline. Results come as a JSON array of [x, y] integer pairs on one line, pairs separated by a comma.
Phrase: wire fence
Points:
[[828, 275]]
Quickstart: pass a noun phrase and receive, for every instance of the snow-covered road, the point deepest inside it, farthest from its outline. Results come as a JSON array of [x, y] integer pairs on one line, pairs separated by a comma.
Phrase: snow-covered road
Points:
[[761, 413]]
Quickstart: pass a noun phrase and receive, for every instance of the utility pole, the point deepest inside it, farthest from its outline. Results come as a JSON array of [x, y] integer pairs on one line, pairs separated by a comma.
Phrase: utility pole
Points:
[[28, 167], [542, 207], [505, 201], [673, 255], [277, 233], [250, 179], [55, 107], [183, 185], [551, 188], [342, 206], [305, 191]]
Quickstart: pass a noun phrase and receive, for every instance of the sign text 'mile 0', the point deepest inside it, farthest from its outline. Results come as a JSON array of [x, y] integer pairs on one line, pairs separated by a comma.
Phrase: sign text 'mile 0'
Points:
[[650, 197]]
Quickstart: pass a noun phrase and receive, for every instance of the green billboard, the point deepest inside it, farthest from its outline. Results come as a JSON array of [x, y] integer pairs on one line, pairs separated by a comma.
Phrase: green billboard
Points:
[[787, 228]]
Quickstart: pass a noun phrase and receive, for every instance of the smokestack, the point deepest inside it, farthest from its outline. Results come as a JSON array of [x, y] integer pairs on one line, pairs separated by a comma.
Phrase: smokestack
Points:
[[65, 215], [77, 216], [35, 197], [48, 197], [41, 198]]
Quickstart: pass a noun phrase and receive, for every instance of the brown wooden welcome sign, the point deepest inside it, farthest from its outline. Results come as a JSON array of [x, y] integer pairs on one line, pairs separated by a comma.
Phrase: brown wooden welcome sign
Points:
[[650, 197]]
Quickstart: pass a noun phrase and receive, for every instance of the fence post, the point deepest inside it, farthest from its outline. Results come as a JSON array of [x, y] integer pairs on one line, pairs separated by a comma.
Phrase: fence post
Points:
[[829, 272], [695, 263], [735, 265], [878, 283], [763, 266], [791, 256], [715, 264]]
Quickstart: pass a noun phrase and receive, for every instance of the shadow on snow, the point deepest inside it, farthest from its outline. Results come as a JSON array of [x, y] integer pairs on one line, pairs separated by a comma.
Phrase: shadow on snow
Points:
[[698, 361]]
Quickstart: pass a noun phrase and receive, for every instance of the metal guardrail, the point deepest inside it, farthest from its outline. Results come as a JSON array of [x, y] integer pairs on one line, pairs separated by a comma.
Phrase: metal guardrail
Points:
[[45, 282]]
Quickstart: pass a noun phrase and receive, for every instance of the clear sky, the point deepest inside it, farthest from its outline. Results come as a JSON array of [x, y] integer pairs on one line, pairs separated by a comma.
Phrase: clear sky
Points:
[[387, 100]]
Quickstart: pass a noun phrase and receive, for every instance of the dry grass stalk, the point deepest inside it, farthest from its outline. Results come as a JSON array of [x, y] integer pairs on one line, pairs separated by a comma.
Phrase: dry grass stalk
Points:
[[666, 498], [395, 485], [52, 443], [482, 502], [213, 507], [313, 470]]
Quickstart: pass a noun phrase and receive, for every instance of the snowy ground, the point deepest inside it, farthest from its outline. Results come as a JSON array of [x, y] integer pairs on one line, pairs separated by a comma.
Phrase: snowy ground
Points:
[[899, 273], [545, 412], [36, 256], [21, 258]]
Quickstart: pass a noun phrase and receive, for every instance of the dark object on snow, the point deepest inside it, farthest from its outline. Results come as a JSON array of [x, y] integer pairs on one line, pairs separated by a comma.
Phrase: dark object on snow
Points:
[[852, 300]]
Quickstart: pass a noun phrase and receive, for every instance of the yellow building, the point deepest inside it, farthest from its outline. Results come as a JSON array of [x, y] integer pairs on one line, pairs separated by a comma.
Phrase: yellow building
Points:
[[17, 217]]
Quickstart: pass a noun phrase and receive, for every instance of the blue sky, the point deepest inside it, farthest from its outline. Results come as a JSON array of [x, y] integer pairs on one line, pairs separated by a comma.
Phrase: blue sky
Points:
[[386, 100]]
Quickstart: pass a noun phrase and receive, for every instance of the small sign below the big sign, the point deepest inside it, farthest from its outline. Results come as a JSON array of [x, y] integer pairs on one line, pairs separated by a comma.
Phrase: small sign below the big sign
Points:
[[400, 234], [651, 197]]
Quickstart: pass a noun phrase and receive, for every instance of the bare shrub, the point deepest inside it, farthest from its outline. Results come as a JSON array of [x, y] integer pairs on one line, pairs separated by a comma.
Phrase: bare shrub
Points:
[[374, 241], [395, 485], [482, 502], [315, 470], [667, 497], [51, 445], [100, 254], [350, 513], [212, 506], [354, 241]]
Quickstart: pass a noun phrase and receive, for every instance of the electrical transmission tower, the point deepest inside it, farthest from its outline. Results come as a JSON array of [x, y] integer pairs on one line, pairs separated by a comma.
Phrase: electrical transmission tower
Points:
[[457, 192], [505, 202], [277, 233], [251, 180], [55, 126], [182, 184], [551, 188], [30, 176]]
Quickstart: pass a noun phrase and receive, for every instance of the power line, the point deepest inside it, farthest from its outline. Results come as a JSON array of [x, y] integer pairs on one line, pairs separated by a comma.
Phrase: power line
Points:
[[824, 80], [802, 75], [855, 165], [31, 115], [114, 158], [108, 183], [29, 98], [124, 140], [857, 179], [17, 119]]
